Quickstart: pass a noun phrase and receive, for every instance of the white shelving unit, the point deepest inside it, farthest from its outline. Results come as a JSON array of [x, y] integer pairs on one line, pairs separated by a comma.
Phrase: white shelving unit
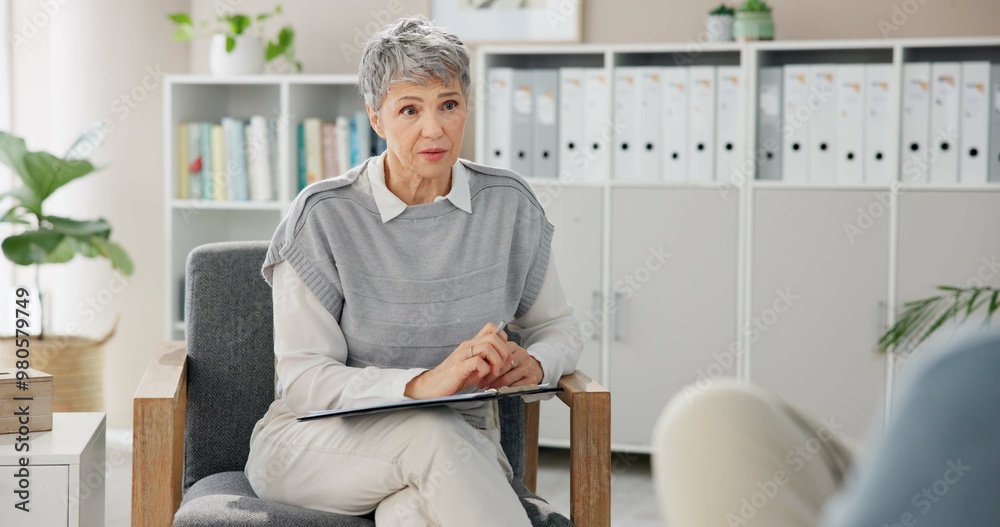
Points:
[[738, 246], [190, 223]]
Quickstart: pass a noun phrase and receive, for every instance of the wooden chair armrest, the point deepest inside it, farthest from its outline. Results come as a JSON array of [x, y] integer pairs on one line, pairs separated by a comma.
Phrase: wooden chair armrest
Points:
[[590, 448], [158, 437]]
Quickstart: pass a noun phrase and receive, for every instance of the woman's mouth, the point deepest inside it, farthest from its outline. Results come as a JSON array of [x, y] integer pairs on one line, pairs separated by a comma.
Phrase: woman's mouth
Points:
[[433, 154]]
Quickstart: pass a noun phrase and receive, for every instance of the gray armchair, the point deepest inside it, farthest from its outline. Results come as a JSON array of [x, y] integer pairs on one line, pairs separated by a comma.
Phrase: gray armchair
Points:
[[197, 404]]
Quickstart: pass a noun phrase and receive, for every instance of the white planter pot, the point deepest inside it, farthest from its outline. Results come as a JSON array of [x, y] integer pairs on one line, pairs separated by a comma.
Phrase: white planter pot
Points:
[[720, 28], [247, 57]]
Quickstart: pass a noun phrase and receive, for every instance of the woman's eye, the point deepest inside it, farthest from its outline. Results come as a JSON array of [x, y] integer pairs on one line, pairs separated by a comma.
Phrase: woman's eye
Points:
[[409, 110], [451, 105]]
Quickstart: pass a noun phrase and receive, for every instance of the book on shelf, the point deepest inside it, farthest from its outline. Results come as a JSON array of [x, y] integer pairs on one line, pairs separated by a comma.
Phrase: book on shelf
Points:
[[235, 159], [328, 148]]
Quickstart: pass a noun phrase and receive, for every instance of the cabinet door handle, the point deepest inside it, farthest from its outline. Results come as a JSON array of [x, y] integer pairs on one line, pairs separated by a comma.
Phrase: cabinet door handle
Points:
[[595, 311], [615, 307]]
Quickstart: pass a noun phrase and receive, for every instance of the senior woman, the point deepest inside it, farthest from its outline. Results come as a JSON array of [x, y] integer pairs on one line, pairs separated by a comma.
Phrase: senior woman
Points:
[[385, 282]]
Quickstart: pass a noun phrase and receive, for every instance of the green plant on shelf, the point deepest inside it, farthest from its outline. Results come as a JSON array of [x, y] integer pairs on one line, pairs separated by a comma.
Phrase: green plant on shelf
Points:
[[238, 24], [723, 10], [755, 6], [46, 238], [921, 318]]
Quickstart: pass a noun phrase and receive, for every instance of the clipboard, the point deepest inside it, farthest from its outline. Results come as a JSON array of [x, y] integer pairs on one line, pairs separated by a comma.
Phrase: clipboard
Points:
[[485, 395]]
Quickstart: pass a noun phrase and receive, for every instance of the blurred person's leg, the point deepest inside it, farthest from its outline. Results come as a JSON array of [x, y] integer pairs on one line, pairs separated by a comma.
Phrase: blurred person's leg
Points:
[[735, 454], [938, 464]]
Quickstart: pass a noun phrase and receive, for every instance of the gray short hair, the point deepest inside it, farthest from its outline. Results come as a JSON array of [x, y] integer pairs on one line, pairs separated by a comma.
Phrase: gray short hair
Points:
[[411, 49]]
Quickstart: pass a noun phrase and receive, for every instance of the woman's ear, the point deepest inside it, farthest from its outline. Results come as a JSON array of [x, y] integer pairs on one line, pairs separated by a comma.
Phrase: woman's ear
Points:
[[373, 119]]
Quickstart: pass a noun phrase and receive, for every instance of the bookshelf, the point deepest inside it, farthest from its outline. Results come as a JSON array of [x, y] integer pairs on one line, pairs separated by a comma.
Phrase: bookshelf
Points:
[[784, 283], [193, 222]]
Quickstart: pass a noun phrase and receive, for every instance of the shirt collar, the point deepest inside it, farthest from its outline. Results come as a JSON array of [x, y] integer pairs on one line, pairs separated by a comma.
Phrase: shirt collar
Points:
[[389, 205]]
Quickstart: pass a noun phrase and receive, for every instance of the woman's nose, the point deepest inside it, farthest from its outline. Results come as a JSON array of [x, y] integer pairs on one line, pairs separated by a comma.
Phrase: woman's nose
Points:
[[430, 125]]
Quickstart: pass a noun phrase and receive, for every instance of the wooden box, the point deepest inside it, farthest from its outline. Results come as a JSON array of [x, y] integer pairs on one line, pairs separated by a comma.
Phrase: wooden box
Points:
[[39, 389]]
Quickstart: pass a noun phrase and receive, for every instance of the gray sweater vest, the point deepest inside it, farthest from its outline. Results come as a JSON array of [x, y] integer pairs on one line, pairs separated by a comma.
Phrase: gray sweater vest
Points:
[[409, 291]]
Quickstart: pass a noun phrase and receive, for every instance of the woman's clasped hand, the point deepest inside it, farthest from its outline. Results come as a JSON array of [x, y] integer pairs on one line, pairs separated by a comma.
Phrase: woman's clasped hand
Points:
[[487, 360]]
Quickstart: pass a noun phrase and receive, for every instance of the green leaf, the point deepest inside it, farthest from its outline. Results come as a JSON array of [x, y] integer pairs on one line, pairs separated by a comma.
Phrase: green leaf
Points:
[[272, 52], [26, 197], [46, 172], [119, 258], [13, 216], [230, 44], [32, 247], [12, 152], [263, 17], [63, 252], [286, 36], [277, 9], [239, 23], [180, 18], [994, 304], [79, 228]]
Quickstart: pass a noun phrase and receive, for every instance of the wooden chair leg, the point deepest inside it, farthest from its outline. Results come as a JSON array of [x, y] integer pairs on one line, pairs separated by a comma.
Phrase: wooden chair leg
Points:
[[531, 445]]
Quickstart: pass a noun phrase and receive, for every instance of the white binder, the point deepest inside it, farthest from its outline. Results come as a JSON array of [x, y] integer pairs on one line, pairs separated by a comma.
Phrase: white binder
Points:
[[701, 123], [522, 121], [498, 117], [649, 103], [598, 129], [850, 123], [571, 159], [795, 124], [916, 122], [769, 143], [728, 124], [945, 137], [975, 122], [822, 123], [626, 156], [994, 176], [674, 123], [878, 125], [545, 160]]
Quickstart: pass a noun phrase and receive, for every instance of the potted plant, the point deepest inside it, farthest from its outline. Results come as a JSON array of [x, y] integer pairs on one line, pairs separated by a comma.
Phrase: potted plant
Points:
[[921, 318], [76, 363], [238, 42], [720, 24], [754, 21]]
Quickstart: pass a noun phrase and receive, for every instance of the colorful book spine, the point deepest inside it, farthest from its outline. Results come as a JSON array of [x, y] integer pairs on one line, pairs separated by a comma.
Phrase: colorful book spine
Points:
[[196, 161], [249, 155], [207, 171], [220, 192], [330, 163], [236, 158], [183, 173], [363, 129], [258, 157], [272, 153], [352, 124], [343, 144], [300, 149], [314, 155]]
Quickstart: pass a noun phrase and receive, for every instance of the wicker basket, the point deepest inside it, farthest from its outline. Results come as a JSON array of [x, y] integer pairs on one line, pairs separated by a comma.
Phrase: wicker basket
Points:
[[75, 363]]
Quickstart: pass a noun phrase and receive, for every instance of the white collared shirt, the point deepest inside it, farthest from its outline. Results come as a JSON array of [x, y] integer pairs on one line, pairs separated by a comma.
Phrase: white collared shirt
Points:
[[311, 350]]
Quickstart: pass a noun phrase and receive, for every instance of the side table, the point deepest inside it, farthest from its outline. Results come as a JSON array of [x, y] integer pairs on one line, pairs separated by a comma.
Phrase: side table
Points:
[[66, 475]]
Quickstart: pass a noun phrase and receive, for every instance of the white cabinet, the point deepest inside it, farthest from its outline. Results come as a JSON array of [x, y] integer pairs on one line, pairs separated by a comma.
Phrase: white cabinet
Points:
[[576, 213], [947, 238], [66, 474], [818, 287], [673, 277]]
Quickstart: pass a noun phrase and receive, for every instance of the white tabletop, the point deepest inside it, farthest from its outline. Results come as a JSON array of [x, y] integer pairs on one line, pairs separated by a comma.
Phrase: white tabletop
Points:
[[70, 435]]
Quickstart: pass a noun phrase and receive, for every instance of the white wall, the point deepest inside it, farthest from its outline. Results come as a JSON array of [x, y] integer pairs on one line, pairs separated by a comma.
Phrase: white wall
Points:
[[87, 54]]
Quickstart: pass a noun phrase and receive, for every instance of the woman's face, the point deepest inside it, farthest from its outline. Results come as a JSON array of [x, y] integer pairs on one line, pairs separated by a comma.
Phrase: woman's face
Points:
[[423, 126]]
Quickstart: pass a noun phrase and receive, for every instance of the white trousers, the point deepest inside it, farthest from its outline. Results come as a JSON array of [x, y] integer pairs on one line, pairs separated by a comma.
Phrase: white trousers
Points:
[[737, 455], [419, 467]]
